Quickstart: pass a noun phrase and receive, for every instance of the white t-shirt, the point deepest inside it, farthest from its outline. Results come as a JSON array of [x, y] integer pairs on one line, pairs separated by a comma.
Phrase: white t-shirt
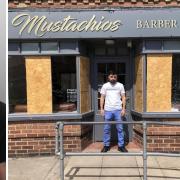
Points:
[[112, 95]]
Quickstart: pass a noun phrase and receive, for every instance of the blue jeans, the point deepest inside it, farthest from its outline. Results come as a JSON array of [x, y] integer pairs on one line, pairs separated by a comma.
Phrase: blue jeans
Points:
[[109, 116]]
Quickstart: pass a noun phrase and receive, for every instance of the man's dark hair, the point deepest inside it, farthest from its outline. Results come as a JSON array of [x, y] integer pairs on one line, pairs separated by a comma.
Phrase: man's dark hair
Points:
[[111, 72]]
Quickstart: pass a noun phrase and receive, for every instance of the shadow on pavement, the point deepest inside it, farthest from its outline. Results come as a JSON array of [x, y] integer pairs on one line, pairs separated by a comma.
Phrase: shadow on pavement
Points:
[[73, 172]]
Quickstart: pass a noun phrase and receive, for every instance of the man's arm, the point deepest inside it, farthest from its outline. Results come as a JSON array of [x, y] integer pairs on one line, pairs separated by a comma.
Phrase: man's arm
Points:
[[3, 171], [102, 104], [123, 105]]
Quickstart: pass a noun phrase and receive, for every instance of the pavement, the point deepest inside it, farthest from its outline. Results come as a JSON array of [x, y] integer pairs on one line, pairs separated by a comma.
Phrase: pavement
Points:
[[94, 168]]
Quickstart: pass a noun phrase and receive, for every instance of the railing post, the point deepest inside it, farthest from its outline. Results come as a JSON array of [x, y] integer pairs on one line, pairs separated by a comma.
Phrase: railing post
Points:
[[61, 151], [144, 150], [57, 139]]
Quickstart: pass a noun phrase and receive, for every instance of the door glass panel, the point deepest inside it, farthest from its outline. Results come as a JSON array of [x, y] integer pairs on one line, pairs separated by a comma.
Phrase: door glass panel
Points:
[[111, 51], [121, 79], [121, 68], [103, 70]]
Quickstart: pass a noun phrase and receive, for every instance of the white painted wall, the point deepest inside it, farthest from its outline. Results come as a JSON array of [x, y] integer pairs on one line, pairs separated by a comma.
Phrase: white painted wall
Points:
[[3, 51]]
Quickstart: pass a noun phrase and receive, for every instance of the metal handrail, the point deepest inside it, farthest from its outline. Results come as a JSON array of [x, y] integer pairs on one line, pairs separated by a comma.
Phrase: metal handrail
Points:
[[59, 150]]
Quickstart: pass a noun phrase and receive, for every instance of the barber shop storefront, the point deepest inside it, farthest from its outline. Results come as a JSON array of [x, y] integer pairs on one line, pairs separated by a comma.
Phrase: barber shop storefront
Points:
[[59, 60]]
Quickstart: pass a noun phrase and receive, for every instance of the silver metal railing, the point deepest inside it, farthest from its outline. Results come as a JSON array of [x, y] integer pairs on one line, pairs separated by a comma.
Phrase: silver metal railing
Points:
[[59, 150]]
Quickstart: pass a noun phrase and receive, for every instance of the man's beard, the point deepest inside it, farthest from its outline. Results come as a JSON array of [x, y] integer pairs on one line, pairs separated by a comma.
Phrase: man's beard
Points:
[[113, 82]]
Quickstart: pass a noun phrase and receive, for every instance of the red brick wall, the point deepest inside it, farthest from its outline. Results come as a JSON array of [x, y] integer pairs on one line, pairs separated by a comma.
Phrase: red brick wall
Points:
[[160, 138], [38, 138], [74, 4]]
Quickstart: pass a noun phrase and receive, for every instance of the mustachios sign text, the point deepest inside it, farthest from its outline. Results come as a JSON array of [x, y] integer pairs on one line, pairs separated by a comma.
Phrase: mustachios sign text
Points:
[[40, 24]]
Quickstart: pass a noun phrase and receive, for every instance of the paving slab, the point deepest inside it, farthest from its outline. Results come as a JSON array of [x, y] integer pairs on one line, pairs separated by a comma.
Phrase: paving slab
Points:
[[170, 167], [83, 168], [119, 161], [168, 162], [34, 168], [54, 171], [94, 168], [154, 172], [120, 173], [120, 178], [120, 167]]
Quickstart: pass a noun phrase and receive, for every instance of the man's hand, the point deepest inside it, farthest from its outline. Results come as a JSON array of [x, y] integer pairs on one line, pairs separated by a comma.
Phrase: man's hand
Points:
[[102, 104], [123, 112], [102, 112], [3, 171]]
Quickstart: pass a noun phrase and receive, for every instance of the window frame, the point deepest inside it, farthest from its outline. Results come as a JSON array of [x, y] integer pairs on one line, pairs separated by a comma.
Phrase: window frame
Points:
[[145, 89], [144, 50], [61, 47], [53, 115]]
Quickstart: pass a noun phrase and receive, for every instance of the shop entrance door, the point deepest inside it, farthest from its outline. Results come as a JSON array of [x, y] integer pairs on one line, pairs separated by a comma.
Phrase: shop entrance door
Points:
[[102, 67]]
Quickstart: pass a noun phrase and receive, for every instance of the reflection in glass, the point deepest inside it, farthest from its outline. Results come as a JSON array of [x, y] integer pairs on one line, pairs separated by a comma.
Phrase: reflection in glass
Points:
[[30, 47], [49, 47], [176, 83], [17, 84], [64, 83]]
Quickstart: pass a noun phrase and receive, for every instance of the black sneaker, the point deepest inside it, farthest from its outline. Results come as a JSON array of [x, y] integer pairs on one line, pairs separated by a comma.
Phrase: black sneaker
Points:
[[105, 149], [122, 149]]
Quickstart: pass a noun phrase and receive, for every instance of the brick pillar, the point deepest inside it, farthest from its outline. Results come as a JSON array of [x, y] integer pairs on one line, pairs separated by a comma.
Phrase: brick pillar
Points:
[[39, 85], [159, 75]]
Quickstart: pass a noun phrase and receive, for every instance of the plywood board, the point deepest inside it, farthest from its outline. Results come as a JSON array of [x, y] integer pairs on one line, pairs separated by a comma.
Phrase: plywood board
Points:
[[39, 85], [85, 87], [139, 83], [159, 83]]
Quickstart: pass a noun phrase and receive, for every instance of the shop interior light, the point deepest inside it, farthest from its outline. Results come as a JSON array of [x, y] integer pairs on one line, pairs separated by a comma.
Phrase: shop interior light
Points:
[[110, 42], [129, 44]]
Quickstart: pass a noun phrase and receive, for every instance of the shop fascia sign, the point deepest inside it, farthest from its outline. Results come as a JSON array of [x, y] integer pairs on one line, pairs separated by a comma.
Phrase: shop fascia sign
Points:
[[97, 24], [41, 26]]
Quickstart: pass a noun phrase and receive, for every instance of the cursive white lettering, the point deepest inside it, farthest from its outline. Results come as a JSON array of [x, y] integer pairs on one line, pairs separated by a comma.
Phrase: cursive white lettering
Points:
[[41, 26]]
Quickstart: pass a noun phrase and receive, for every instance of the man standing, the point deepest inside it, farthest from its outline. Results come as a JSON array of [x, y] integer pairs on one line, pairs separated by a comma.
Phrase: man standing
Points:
[[113, 94]]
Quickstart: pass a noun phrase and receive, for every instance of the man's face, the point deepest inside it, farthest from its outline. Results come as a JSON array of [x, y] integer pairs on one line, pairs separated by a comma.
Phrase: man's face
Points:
[[112, 78]]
